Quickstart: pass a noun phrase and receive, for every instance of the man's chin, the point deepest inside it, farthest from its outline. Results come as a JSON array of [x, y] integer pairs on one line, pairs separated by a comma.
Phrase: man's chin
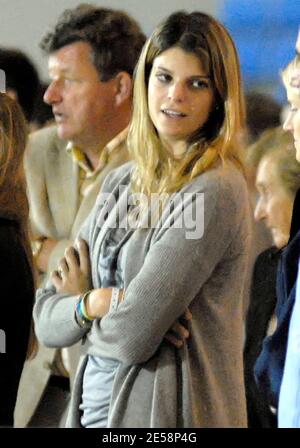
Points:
[[63, 133]]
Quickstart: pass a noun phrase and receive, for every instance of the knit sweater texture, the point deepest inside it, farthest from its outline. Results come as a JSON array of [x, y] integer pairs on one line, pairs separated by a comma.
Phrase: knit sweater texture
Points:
[[156, 384]]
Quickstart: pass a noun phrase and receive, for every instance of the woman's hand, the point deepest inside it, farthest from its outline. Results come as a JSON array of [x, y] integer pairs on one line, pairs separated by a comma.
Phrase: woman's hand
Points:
[[44, 253], [178, 333], [73, 275]]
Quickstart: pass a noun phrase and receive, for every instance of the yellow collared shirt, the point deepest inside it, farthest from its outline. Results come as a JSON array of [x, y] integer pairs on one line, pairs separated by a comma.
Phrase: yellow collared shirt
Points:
[[87, 175]]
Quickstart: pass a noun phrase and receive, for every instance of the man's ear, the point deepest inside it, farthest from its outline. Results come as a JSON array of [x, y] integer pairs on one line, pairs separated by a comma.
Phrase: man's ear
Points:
[[124, 85]]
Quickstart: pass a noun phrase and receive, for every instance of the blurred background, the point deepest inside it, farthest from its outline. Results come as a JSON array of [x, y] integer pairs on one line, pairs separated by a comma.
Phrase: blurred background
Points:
[[263, 30]]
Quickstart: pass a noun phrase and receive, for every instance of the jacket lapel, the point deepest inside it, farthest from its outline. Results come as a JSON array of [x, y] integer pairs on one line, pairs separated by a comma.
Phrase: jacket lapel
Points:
[[62, 176]]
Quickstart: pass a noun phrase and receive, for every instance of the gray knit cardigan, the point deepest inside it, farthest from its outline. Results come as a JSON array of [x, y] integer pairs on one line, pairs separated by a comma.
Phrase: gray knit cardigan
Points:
[[157, 385]]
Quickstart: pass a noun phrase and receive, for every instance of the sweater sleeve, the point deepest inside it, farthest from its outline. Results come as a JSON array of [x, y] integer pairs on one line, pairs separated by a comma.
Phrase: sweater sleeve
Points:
[[54, 313], [174, 271]]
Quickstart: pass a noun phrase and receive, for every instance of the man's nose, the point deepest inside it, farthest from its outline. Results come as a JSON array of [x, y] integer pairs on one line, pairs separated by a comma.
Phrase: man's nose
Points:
[[52, 94]]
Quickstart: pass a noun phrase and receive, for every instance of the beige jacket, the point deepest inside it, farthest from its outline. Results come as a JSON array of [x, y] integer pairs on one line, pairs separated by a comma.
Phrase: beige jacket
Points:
[[52, 180]]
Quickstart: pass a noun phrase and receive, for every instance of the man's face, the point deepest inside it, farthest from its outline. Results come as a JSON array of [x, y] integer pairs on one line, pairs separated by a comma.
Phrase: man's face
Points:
[[82, 105]]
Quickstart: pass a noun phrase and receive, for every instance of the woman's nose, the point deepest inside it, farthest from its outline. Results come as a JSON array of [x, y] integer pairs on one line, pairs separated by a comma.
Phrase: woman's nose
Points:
[[177, 92]]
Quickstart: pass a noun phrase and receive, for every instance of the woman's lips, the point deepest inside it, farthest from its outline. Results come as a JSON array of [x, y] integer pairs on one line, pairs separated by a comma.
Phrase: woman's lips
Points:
[[173, 113]]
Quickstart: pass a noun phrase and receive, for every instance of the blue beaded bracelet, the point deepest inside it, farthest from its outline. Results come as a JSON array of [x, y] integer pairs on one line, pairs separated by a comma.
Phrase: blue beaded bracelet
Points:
[[80, 310]]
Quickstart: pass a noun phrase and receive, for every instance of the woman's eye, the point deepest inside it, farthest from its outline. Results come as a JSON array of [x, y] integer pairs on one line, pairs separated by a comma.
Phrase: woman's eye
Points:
[[199, 84], [163, 77]]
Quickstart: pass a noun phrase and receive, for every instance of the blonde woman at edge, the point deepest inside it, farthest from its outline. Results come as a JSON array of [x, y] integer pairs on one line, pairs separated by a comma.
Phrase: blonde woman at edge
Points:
[[184, 138]]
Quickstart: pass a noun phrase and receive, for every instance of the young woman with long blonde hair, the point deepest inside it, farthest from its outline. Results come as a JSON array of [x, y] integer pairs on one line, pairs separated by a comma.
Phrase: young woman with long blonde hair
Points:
[[169, 231]]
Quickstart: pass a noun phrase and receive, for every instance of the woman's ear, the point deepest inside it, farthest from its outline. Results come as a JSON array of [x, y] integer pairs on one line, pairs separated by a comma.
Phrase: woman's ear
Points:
[[124, 87]]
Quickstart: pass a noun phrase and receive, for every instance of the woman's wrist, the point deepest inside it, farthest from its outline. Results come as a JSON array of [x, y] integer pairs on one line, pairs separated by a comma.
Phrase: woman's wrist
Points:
[[89, 302], [98, 302]]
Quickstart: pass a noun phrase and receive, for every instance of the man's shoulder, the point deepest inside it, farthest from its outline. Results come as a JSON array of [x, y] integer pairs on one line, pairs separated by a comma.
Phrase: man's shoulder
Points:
[[44, 140]]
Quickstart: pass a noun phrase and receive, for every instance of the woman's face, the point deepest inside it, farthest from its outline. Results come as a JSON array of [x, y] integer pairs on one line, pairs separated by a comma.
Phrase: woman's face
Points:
[[180, 97], [292, 122], [274, 205]]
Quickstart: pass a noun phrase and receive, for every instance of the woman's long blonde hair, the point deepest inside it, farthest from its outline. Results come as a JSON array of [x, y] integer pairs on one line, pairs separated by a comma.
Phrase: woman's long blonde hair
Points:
[[13, 198], [220, 137]]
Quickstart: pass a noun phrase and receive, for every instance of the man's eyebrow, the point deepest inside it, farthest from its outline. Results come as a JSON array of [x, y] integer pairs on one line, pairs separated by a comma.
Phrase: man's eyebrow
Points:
[[63, 70]]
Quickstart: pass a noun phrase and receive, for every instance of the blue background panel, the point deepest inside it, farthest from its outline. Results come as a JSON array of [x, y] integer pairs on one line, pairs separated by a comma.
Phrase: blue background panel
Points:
[[265, 33]]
